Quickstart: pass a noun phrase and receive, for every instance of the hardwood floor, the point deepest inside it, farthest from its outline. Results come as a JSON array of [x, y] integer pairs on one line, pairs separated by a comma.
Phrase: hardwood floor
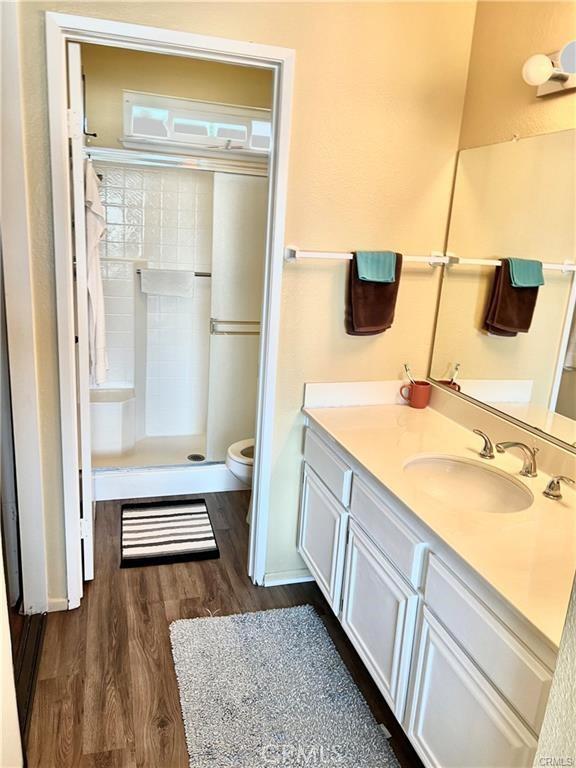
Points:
[[106, 695]]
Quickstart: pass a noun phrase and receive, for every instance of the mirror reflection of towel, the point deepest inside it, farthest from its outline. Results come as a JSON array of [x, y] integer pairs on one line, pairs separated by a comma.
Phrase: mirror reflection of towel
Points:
[[370, 306], [510, 309]]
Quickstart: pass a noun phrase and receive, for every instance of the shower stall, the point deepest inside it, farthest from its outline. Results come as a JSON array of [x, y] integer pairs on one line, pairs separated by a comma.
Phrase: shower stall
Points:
[[182, 265]]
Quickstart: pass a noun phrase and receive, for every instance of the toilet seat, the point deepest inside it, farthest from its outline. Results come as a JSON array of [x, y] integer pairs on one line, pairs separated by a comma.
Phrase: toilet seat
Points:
[[237, 451], [240, 460]]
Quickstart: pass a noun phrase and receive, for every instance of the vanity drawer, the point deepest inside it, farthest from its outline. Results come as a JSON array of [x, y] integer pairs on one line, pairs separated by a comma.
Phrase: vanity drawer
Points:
[[522, 679], [334, 473], [397, 542]]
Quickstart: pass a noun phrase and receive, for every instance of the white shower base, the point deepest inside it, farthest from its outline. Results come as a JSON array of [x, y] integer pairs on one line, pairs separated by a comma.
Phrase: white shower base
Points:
[[154, 452]]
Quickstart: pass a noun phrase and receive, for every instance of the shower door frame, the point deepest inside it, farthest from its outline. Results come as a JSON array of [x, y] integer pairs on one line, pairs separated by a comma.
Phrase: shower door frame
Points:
[[62, 28]]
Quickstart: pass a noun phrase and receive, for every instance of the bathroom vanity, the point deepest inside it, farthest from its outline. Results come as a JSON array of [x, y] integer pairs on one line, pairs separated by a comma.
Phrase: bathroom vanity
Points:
[[447, 596]]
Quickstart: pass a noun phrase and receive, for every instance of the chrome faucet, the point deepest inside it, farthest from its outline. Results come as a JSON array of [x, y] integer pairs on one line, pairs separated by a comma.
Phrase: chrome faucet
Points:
[[552, 490], [487, 451], [529, 468]]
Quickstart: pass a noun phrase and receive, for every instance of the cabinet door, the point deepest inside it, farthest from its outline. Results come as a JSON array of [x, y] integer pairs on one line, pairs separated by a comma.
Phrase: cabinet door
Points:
[[456, 718], [322, 537], [379, 616]]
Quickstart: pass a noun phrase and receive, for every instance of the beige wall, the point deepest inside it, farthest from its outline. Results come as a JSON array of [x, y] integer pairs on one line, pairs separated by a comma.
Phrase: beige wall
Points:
[[109, 71], [374, 137], [499, 104]]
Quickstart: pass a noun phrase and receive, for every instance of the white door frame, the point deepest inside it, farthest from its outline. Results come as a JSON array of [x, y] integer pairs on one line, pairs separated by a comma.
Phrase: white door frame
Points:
[[60, 29], [22, 343]]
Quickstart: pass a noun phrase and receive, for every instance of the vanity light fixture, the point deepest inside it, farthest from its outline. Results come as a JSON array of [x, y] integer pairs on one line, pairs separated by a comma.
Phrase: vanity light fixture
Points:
[[551, 73]]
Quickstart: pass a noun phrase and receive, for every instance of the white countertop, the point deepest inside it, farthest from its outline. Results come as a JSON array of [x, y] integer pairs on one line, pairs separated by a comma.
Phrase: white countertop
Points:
[[529, 557]]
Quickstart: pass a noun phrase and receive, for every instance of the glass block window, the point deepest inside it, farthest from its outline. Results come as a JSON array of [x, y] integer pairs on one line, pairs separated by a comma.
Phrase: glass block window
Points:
[[195, 124]]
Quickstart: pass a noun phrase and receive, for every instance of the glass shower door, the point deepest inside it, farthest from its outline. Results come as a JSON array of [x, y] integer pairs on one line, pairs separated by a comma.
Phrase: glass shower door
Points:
[[238, 255]]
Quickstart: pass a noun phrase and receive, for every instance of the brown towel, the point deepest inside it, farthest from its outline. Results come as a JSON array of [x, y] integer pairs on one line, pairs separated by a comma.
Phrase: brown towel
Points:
[[370, 306], [510, 309]]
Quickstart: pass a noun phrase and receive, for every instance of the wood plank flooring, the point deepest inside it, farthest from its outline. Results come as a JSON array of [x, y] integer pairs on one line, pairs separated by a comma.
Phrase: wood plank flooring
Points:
[[107, 696]]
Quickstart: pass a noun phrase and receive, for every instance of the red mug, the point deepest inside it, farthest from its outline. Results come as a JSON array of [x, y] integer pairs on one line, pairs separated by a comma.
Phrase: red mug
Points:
[[418, 394], [452, 384]]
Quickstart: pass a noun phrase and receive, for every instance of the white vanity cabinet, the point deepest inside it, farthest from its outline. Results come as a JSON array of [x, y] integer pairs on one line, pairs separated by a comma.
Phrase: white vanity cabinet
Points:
[[467, 677], [322, 536], [379, 610], [456, 718]]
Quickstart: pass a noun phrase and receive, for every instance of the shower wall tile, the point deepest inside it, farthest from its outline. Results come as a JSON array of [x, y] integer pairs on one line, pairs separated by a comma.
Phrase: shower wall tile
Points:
[[118, 285], [159, 218], [178, 358], [118, 323]]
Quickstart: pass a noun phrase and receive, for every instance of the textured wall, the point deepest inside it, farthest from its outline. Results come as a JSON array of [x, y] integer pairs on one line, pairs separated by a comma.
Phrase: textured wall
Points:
[[558, 735]]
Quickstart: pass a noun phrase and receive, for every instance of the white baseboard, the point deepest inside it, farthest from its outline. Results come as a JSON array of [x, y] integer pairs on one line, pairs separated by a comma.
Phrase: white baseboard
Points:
[[350, 393], [143, 482], [280, 578]]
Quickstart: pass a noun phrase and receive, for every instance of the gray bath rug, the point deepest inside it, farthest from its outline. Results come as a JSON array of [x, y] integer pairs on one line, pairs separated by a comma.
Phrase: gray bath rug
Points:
[[269, 689]]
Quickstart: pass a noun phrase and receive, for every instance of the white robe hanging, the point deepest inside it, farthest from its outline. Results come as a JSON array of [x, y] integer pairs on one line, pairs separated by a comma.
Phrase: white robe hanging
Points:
[[95, 228]]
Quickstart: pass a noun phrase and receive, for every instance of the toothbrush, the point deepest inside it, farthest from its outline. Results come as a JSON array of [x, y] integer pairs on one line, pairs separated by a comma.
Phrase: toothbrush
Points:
[[409, 373], [456, 369]]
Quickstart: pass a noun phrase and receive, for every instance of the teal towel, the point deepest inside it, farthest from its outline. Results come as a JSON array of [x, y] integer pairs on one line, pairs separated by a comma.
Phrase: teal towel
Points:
[[376, 266], [526, 273]]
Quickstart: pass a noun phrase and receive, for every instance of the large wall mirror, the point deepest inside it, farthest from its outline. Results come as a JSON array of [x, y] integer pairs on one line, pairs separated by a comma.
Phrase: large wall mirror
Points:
[[514, 200]]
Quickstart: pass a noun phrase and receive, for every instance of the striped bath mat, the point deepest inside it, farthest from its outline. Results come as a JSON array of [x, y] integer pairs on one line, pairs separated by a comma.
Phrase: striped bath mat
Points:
[[157, 533]]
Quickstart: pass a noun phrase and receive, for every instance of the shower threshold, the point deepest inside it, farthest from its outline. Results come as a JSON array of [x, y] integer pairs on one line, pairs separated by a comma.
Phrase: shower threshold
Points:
[[155, 452]]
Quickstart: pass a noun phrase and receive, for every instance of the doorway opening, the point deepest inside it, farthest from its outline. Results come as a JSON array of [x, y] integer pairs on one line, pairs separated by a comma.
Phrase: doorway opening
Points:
[[183, 182], [189, 153]]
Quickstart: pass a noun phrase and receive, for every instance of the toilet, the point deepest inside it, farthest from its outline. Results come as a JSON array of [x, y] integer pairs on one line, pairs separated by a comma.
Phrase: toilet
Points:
[[240, 460]]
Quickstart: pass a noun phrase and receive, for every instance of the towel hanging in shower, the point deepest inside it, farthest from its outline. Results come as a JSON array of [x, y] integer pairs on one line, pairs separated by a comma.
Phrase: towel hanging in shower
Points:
[[95, 228], [168, 282]]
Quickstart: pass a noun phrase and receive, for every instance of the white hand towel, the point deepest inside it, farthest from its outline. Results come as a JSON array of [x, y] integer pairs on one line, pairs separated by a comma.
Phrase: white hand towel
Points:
[[168, 282], [95, 228]]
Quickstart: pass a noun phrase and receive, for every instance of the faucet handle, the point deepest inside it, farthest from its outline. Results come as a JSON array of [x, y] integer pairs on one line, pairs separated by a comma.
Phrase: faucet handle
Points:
[[552, 490], [487, 451]]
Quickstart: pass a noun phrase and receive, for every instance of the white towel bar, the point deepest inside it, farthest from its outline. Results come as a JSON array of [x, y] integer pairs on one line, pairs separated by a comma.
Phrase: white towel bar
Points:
[[567, 266], [436, 258]]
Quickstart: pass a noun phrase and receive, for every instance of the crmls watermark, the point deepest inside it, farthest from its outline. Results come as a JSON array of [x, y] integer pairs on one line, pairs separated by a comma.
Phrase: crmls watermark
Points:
[[302, 755], [557, 762]]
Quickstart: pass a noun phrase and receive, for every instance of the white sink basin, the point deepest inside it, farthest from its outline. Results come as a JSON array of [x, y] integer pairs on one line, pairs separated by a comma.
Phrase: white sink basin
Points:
[[468, 484]]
